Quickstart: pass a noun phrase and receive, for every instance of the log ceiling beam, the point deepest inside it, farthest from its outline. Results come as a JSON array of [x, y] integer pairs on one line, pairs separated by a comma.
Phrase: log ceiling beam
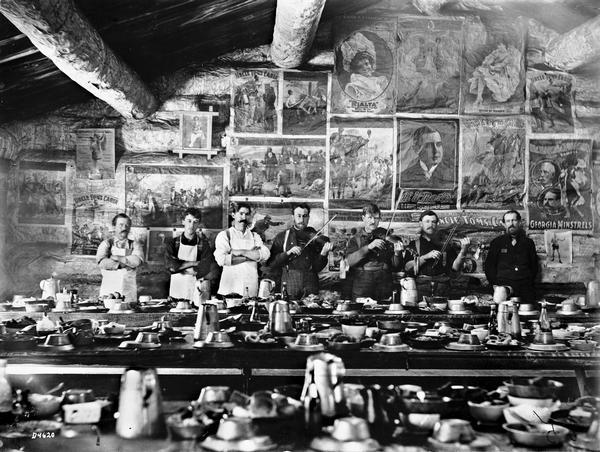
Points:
[[62, 33], [296, 23]]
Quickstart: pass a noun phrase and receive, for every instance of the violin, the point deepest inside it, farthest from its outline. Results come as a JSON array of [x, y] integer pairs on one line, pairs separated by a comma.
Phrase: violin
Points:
[[311, 237], [382, 234]]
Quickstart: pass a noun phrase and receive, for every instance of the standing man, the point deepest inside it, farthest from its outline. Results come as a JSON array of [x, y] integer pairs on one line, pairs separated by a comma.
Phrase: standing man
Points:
[[298, 262], [372, 257], [239, 250], [512, 259], [118, 258], [189, 257], [432, 266]]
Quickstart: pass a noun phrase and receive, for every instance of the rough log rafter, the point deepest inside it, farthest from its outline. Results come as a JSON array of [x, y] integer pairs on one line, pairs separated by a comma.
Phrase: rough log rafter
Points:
[[59, 30]]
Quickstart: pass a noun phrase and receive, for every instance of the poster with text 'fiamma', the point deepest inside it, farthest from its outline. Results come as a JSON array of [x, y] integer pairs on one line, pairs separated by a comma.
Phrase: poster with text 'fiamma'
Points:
[[364, 70], [304, 103], [493, 77], [429, 55], [254, 94], [493, 163], [360, 162], [92, 217], [278, 167], [550, 102], [427, 164], [95, 154], [560, 184], [42, 193], [158, 195]]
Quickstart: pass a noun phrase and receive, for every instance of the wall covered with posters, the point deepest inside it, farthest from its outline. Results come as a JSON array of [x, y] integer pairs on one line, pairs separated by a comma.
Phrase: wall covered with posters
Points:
[[450, 113]]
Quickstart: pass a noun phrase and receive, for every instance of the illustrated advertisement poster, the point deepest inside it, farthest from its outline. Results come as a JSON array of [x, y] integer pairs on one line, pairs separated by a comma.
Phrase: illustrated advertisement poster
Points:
[[560, 184], [550, 101], [278, 167], [427, 164], [42, 193], [158, 195], [92, 216], [255, 101], [304, 103], [361, 162], [429, 55], [493, 79], [95, 157], [196, 130], [493, 163], [559, 248], [364, 70]]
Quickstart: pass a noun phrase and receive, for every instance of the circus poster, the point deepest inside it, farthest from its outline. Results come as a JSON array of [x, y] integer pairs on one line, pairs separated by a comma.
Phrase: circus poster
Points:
[[304, 103], [493, 163], [429, 54], [550, 102], [255, 98], [91, 219], [364, 68], [42, 193]]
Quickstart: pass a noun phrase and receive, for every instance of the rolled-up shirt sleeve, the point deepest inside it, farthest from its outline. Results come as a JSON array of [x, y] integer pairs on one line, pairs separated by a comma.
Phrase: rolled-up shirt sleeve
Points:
[[103, 257], [262, 249], [136, 258], [223, 249]]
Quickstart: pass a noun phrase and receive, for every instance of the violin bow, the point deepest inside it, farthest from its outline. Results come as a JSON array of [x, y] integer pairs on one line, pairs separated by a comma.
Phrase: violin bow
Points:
[[319, 231], [447, 241], [393, 215]]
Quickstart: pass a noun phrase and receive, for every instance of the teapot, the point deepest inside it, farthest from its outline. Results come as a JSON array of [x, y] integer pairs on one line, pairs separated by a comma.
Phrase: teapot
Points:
[[50, 287], [266, 288], [140, 405], [280, 318], [207, 321]]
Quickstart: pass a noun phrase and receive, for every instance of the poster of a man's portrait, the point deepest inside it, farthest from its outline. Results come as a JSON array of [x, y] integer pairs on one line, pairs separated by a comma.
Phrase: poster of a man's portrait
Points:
[[95, 158], [427, 164], [278, 167], [560, 184], [493, 72], [304, 103], [255, 99], [493, 163], [196, 131], [360, 163], [158, 195], [364, 69], [550, 102], [42, 193], [429, 55]]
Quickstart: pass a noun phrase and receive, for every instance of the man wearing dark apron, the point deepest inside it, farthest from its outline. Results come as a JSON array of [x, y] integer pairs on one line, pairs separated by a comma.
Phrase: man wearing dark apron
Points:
[[298, 260], [189, 258]]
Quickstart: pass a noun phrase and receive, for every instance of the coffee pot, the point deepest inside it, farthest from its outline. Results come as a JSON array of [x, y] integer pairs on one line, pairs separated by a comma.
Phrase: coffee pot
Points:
[[265, 289], [408, 291], [501, 293], [140, 405], [280, 318], [202, 292], [325, 372], [207, 321], [50, 287]]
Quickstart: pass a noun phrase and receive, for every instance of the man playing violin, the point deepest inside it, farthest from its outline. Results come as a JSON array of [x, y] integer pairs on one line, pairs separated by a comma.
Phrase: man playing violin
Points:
[[299, 255], [372, 257], [434, 262]]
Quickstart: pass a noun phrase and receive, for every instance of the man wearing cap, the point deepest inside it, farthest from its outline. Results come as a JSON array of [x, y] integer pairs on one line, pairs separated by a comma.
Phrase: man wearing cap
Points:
[[433, 264], [430, 170], [512, 260], [298, 260]]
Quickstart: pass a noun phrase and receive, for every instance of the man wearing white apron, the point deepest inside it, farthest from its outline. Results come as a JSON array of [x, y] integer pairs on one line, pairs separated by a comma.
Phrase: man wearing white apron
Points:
[[118, 258], [239, 250], [189, 257]]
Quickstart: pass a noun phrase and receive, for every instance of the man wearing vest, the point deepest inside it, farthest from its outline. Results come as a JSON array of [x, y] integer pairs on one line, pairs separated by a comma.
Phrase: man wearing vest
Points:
[[372, 258], [512, 259], [432, 264], [299, 263]]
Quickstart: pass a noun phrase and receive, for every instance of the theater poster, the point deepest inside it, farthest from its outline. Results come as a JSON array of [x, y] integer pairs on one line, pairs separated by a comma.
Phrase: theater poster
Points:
[[277, 167], [157, 195], [42, 193], [559, 248], [560, 184], [361, 157], [92, 217], [427, 164], [255, 98], [95, 158], [493, 163], [304, 103], [493, 77], [550, 102], [364, 72], [429, 55]]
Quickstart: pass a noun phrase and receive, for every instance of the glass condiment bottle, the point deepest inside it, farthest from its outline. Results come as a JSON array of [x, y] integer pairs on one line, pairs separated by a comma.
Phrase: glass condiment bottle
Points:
[[313, 421], [284, 292], [515, 322], [544, 321], [6, 396], [343, 267], [246, 296], [493, 321]]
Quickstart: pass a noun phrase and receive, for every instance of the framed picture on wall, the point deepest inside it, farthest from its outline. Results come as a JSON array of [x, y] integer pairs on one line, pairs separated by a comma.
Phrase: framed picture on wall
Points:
[[196, 131]]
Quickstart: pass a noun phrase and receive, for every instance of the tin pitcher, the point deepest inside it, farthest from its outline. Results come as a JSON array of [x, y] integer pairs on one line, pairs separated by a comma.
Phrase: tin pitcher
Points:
[[408, 292], [266, 288]]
